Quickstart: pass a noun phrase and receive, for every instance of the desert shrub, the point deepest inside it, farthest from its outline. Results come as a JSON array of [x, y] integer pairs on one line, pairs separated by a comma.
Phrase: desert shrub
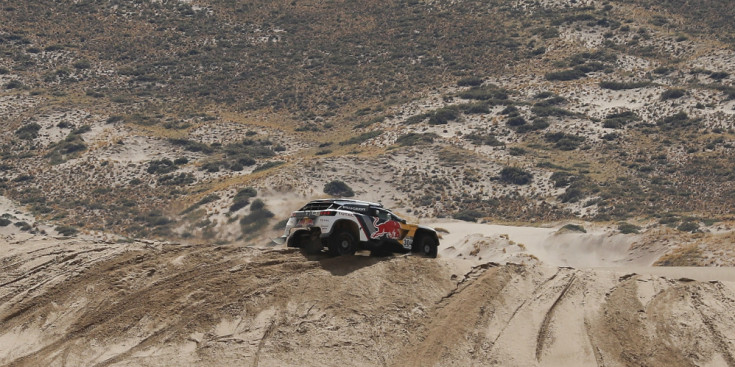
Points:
[[52, 48], [255, 220], [590, 67], [28, 131], [176, 125], [619, 120], [475, 108], [719, 75], [416, 119], [471, 81], [257, 205], [114, 119], [627, 228], [94, 94], [623, 85], [23, 178], [161, 166], [538, 51], [564, 141], [268, 165], [516, 121], [192, 146], [362, 137], [4, 70], [444, 115], [205, 200], [4, 222], [516, 151], [82, 129], [70, 146], [176, 180], [13, 84], [23, 226], [370, 122], [242, 198], [678, 120], [211, 167], [484, 139], [545, 111], [154, 218], [562, 179], [688, 226], [245, 152], [673, 93], [536, 124], [323, 152], [516, 176], [412, 139], [468, 215], [82, 64], [66, 231], [574, 228], [565, 75], [571, 195], [610, 136], [338, 188], [484, 93], [509, 110], [239, 204], [248, 192], [181, 160], [576, 191]]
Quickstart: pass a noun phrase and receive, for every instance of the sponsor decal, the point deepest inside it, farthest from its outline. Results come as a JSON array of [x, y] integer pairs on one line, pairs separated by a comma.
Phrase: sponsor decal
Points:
[[305, 222], [386, 229], [355, 208], [407, 242]]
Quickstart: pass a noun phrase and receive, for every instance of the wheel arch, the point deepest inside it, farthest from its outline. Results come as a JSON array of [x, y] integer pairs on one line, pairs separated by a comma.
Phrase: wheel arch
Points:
[[346, 225], [420, 232]]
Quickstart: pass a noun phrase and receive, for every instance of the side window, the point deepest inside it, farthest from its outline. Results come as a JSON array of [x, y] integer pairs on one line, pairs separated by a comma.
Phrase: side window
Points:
[[383, 215]]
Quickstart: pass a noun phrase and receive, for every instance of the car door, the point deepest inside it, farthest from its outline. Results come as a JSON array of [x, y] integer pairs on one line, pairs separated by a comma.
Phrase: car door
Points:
[[386, 227]]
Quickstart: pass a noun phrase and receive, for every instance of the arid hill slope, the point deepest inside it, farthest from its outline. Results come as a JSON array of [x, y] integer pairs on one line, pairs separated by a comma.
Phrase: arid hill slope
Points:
[[156, 304]]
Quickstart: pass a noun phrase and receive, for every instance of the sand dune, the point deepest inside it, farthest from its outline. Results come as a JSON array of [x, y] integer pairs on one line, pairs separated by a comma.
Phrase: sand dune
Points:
[[77, 302]]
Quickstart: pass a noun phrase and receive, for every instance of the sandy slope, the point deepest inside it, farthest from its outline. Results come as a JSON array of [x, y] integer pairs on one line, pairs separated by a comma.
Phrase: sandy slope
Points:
[[599, 247], [78, 302]]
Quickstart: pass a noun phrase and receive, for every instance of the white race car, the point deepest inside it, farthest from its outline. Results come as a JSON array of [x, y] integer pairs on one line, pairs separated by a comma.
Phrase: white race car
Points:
[[344, 226]]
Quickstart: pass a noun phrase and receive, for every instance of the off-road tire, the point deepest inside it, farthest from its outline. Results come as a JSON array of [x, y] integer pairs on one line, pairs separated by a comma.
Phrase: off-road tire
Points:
[[342, 243], [296, 240], [428, 246], [312, 246]]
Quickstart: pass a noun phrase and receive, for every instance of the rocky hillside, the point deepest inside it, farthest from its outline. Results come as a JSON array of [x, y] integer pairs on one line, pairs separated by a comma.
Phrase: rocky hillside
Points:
[[211, 121]]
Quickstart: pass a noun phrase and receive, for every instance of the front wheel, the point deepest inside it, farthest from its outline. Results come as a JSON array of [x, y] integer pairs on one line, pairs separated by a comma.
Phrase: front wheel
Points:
[[342, 243], [428, 246]]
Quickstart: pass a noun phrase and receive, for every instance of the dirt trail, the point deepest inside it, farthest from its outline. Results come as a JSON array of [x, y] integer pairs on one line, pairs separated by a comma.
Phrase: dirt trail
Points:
[[65, 303]]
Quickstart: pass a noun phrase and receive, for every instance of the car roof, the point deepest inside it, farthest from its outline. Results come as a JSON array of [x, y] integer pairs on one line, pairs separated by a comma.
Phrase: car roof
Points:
[[348, 202]]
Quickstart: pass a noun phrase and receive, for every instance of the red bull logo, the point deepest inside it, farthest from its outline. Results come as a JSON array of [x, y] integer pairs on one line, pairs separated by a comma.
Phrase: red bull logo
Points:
[[390, 229]]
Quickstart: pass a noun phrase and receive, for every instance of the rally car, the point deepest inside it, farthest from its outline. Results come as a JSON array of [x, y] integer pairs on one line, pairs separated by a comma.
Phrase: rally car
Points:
[[344, 226]]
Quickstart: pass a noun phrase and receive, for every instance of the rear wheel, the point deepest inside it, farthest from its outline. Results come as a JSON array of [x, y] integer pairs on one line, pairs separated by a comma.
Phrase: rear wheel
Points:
[[428, 246], [342, 243], [308, 242], [297, 239], [312, 246]]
